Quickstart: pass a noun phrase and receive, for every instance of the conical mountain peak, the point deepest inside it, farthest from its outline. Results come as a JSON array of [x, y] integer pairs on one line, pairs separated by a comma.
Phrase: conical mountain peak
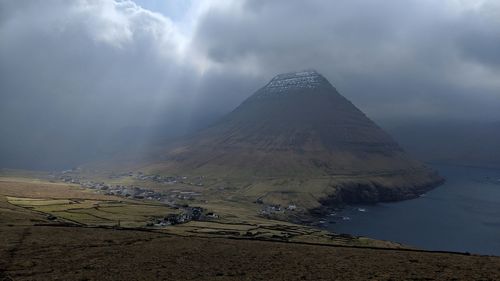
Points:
[[298, 127]]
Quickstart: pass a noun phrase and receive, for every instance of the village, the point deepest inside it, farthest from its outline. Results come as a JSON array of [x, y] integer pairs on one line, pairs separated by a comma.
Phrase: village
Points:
[[272, 209], [173, 198], [136, 192], [188, 214]]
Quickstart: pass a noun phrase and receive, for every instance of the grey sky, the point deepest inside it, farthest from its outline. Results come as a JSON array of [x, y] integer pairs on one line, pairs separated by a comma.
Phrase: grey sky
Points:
[[73, 74]]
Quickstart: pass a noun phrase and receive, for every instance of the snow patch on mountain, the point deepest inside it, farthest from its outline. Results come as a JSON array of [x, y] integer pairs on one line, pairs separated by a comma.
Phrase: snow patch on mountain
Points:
[[282, 83]]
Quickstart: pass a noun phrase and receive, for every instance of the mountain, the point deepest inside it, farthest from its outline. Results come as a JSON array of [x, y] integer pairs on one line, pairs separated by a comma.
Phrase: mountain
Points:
[[297, 137]]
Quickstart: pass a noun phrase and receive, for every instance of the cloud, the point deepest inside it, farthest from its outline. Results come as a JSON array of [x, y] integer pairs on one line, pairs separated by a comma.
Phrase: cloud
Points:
[[420, 58], [76, 74]]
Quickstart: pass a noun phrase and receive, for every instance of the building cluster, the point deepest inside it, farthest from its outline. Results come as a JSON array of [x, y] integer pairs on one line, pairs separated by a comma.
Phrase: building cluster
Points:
[[197, 181], [135, 192], [187, 214], [170, 197], [272, 209]]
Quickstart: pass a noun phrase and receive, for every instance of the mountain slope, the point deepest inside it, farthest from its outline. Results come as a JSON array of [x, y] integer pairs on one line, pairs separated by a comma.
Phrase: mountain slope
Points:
[[299, 128]]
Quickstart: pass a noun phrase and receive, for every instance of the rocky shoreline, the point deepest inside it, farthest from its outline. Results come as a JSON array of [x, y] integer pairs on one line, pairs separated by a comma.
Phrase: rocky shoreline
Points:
[[370, 192]]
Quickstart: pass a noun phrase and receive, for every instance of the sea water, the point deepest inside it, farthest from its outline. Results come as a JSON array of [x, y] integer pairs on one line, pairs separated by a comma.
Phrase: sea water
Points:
[[461, 215]]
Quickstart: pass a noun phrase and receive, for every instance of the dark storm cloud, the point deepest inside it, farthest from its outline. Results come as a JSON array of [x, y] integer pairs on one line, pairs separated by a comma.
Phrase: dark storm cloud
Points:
[[79, 77], [393, 58], [480, 41]]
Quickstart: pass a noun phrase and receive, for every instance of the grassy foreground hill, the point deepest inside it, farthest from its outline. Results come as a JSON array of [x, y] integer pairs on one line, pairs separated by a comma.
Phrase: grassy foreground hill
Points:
[[40, 241]]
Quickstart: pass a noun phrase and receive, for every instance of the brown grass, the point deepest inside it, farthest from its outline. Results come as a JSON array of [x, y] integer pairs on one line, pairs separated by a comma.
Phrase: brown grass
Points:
[[33, 248]]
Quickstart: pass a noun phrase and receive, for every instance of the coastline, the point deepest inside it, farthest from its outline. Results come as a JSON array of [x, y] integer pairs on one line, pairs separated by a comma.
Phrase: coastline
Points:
[[372, 192]]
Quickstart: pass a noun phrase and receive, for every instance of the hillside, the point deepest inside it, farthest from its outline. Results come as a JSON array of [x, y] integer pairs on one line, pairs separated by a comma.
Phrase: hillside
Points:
[[36, 248], [298, 140]]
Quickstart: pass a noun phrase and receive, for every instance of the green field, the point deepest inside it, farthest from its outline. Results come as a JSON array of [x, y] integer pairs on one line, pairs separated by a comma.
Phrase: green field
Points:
[[96, 212]]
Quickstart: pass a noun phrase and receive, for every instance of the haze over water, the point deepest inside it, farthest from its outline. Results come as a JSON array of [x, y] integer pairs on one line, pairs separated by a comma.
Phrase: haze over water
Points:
[[461, 215]]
